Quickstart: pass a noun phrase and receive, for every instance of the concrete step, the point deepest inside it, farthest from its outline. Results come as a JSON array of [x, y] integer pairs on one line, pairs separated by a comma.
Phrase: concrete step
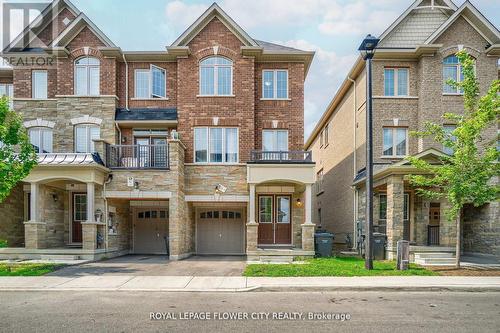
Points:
[[276, 259], [59, 257], [435, 261], [433, 255]]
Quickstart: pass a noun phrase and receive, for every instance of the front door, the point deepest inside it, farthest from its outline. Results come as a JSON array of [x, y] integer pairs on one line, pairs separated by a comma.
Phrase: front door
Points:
[[275, 215], [79, 215], [434, 220], [159, 152], [150, 230]]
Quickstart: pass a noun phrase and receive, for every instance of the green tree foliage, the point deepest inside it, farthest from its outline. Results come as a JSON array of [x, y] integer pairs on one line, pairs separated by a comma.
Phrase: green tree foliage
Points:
[[470, 174], [17, 155]]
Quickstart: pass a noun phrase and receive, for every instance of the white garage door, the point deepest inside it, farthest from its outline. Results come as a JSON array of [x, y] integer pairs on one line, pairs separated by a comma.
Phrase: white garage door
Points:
[[220, 232]]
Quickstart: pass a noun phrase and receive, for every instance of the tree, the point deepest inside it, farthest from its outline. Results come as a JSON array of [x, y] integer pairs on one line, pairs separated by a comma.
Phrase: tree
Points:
[[470, 174], [17, 155]]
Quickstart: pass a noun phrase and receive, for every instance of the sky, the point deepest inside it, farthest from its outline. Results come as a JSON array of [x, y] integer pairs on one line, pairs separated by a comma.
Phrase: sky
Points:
[[332, 28]]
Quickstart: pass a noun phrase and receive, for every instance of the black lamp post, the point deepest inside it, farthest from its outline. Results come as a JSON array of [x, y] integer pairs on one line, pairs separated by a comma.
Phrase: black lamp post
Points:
[[367, 50]]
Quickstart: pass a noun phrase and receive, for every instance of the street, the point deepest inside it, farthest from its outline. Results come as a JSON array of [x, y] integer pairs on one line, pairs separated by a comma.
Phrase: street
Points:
[[251, 312]]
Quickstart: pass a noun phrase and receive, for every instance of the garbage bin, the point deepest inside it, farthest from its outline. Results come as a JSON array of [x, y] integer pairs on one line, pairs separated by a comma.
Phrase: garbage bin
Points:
[[379, 242], [323, 242]]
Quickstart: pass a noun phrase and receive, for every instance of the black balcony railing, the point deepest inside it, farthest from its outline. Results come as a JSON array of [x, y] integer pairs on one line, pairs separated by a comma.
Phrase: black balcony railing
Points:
[[259, 156], [137, 157], [432, 235]]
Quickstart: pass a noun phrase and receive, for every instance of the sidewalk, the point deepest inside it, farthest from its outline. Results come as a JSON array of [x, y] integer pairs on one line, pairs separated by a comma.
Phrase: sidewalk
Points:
[[241, 284]]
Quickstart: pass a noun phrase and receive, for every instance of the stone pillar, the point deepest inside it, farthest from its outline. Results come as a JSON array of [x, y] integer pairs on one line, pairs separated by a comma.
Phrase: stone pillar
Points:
[[35, 230], [252, 225], [89, 236], [447, 228], [421, 219], [395, 205], [90, 202], [308, 226]]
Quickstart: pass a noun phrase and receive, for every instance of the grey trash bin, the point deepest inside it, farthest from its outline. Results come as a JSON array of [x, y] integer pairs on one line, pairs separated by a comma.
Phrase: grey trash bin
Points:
[[323, 242], [379, 242]]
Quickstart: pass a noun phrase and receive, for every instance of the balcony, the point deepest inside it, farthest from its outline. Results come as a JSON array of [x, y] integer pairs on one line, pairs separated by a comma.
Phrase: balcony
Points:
[[137, 157], [280, 157]]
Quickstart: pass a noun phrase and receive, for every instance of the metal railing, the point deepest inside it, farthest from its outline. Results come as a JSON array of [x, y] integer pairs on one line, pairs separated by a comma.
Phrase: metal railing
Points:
[[432, 235], [137, 157], [299, 156]]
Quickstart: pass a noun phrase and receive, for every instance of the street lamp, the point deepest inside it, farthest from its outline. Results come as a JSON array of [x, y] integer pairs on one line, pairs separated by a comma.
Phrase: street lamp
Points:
[[367, 50]]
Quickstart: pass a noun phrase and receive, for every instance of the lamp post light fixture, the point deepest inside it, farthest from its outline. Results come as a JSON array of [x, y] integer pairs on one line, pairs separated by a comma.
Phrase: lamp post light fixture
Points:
[[367, 50]]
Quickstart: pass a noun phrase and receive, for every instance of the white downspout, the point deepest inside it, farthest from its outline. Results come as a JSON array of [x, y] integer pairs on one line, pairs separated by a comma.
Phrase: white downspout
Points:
[[126, 81], [355, 166]]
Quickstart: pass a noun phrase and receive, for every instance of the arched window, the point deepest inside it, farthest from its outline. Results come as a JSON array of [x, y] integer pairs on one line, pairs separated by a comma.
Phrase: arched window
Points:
[[84, 136], [41, 139], [216, 77], [452, 70], [87, 76]]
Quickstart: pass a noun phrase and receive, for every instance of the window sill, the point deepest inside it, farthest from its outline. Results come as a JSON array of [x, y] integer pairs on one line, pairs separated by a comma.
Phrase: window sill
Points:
[[275, 99], [217, 96], [399, 157], [33, 99], [395, 97], [453, 94], [149, 99], [86, 96]]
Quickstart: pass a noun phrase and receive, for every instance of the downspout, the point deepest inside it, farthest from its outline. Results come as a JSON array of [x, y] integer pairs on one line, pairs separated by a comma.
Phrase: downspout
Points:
[[126, 81], [355, 166]]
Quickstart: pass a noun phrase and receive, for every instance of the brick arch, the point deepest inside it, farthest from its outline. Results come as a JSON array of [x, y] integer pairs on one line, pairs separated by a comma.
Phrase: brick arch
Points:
[[78, 53], [452, 50], [216, 51]]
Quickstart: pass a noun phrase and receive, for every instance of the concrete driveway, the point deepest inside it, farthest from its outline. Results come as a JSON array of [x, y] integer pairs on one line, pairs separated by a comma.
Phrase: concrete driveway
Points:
[[146, 265]]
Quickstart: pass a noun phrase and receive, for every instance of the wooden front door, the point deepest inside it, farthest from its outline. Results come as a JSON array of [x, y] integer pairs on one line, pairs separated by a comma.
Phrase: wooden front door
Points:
[[275, 219], [79, 215], [433, 227]]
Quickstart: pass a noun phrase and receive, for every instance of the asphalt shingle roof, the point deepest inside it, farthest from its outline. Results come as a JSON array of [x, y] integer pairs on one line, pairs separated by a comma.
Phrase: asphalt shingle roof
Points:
[[146, 114]]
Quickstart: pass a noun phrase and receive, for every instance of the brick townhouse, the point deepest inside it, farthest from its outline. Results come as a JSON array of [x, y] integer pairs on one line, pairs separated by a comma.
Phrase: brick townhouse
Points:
[[414, 58], [196, 149]]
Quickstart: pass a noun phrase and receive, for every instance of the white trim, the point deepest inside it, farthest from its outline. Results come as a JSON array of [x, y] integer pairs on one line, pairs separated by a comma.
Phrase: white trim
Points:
[[138, 194], [86, 120], [396, 81], [212, 198], [275, 85], [150, 87], [39, 123], [88, 69], [82, 17], [216, 76], [395, 97], [394, 146], [35, 93], [223, 162]]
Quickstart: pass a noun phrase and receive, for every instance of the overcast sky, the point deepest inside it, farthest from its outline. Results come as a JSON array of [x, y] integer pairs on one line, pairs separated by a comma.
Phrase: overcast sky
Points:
[[332, 28]]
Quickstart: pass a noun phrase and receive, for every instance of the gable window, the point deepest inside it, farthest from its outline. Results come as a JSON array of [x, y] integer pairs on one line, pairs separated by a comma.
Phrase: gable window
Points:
[[151, 83], [84, 136], [395, 141], [448, 129], [216, 77], [275, 140], [41, 139], [275, 84], [396, 81], [87, 71], [39, 84], [7, 90], [452, 70], [216, 145]]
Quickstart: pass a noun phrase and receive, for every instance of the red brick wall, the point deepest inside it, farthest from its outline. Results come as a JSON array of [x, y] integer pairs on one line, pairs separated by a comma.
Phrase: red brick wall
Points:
[[55, 28]]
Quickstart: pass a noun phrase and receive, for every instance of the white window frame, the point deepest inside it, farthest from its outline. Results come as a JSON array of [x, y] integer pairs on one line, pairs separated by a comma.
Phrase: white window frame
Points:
[[223, 145], [275, 137], [396, 84], [90, 143], [394, 146], [87, 67], [35, 94], [150, 86], [40, 130], [275, 84], [457, 79], [216, 77]]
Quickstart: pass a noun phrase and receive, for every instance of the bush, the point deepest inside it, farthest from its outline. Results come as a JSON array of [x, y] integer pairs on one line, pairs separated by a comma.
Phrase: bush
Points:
[[3, 243]]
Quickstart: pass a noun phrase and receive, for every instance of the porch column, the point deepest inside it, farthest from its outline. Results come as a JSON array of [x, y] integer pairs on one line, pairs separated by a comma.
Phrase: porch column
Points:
[[395, 207], [35, 234], [252, 225], [89, 227], [90, 202], [308, 226]]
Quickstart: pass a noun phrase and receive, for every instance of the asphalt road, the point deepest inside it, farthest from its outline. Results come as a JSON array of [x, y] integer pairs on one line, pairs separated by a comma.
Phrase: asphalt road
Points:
[[131, 311]]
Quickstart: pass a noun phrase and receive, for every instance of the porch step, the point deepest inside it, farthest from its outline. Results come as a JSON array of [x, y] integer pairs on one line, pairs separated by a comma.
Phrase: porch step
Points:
[[276, 259], [59, 257], [433, 255], [434, 259]]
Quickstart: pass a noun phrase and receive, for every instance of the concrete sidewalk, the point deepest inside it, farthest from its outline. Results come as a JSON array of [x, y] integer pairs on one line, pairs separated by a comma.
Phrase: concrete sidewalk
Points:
[[239, 284]]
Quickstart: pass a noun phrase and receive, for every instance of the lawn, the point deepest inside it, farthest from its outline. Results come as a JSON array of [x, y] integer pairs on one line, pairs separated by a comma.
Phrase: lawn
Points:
[[20, 269], [335, 266]]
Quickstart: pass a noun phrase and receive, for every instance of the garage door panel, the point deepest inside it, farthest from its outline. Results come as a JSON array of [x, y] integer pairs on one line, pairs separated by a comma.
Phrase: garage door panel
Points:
[[220, 232], [150, 230]]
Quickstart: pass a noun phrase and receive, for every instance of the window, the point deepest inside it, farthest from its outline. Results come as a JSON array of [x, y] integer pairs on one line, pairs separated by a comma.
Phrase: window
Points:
[[87, 76], [283, 208], [319, 182], [275, 140], [452, 70], [396, 81], [216, 77], [84, 136], [151, 83], [80, 207], [395, 141], [41, 139], [216, 145], [8, 91], [382, 207], [275, 84], [448, 129], [265, 209], [325, 135], [39, 84]]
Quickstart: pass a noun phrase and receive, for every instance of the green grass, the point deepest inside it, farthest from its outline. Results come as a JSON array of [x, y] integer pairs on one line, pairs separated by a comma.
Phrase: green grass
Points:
[[334, 266], [3, 243], [20, 269]]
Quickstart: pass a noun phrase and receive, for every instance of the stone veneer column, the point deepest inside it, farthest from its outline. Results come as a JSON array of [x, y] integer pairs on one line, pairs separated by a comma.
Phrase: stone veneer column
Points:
[[35, 233], [252, 225], [308, 226], [180, 236], [395, 204], [421, 219]]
